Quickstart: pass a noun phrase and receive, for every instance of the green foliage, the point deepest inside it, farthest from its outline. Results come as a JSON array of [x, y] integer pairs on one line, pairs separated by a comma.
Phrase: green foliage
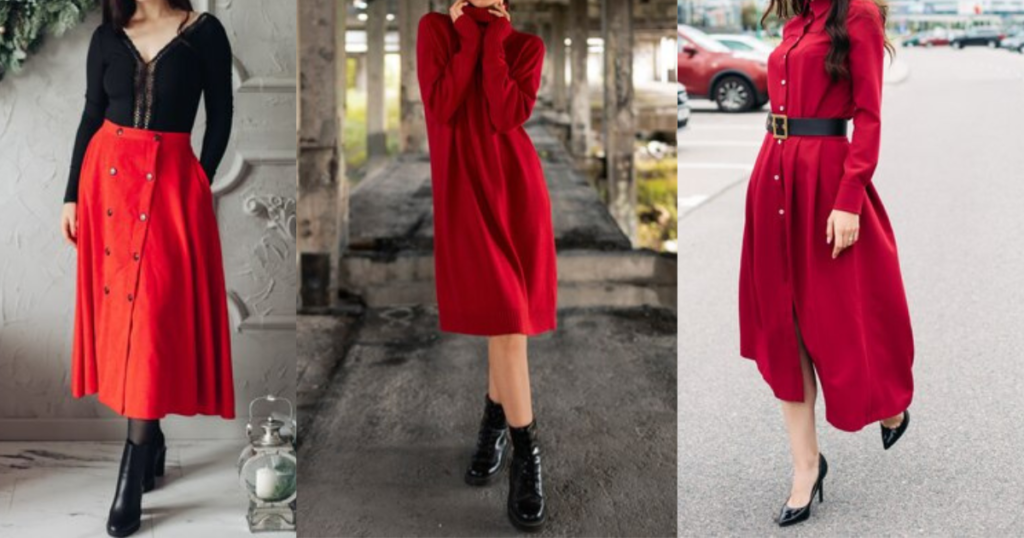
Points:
[[25, 23], [355, 113], [656, 196]]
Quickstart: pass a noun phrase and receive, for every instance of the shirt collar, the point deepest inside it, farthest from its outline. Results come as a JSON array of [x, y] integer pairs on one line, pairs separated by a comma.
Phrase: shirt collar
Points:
[[819, 7]]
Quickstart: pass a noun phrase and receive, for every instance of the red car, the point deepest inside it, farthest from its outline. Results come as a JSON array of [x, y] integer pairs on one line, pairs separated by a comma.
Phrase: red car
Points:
[[934, 40], [710, 70]]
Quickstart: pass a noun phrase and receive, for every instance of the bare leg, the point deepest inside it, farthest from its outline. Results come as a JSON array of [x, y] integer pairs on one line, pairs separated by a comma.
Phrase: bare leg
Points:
[[893, 421], [510, 376], [492, 385], [803, 438]]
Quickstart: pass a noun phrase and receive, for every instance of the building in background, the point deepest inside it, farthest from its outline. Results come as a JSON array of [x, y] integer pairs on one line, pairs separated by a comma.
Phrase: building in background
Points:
[[904, 15]]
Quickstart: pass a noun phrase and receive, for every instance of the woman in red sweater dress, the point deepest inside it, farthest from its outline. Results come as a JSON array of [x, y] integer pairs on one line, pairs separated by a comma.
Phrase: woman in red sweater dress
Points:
[[820, 285], [494, 246]]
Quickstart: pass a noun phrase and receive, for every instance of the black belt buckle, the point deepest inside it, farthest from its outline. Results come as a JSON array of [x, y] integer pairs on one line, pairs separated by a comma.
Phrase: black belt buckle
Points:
[[780, 126]]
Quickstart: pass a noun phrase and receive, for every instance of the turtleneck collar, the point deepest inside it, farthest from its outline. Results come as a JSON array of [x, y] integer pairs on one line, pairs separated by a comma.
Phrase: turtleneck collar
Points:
[[478, 14]]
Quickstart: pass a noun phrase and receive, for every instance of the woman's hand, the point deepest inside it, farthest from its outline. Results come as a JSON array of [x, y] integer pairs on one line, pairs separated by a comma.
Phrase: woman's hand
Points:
[[498, 10], [69, 223], [456, 10], [843, 228]]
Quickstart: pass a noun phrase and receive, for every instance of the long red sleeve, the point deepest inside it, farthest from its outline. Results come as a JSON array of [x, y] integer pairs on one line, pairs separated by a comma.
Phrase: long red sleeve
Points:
[[511, 91], [495, 267], [867, 56], [444, 75]]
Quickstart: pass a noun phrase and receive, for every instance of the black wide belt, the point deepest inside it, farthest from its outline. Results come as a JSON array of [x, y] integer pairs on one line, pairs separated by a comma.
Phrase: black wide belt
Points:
[[783, 127]]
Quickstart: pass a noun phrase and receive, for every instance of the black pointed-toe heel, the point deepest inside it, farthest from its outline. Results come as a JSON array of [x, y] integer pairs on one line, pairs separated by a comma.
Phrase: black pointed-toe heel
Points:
[[126, 511], [491, 446], [158, 457], [526, 506], [891, 435], [789, 515]]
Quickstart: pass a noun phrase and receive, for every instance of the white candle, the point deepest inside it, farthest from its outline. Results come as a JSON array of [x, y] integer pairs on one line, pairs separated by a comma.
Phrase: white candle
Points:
[[266, 483]]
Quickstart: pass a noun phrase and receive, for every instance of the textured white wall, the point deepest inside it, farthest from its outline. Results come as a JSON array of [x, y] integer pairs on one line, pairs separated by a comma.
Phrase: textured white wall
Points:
[[255, 191]]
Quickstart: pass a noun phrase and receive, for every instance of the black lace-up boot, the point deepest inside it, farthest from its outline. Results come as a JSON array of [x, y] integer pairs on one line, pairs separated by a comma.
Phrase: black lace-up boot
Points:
[[126, 510], [491, 446], [526, 490]]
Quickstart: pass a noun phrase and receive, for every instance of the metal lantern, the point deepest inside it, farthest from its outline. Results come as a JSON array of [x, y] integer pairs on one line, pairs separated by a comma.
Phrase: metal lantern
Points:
[[267, 469]]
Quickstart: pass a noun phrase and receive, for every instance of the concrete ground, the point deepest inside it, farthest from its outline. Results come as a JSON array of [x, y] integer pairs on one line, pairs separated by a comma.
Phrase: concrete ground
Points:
[[951, 175], [396, 423], [50, 489]]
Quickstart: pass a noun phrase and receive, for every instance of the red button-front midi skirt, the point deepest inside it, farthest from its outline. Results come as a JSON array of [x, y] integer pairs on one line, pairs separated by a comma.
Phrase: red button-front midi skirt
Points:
[[151, 332]]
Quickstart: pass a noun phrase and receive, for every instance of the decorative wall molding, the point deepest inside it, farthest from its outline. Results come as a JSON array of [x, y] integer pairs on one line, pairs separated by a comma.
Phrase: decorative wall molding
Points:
[[246, 83], [242, 163], [279, 211], [244, 320]]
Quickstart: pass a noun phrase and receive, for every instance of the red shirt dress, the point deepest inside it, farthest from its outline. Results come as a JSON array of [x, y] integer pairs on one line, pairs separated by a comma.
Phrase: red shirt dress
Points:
[[852, 310], [494, 248]]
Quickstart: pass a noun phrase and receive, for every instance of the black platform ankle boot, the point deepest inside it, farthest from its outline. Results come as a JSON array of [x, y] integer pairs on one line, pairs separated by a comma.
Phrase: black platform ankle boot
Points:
[[491, 446], [525, 488], [157, 458], [126, 511]]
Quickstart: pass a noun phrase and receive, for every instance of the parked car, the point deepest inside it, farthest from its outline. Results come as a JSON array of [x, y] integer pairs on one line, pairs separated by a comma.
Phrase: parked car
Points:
[[928, 38], [710, 70], [913, 40], [1013, 42], [981, 35], [935, 40], [745, 45], [684, 108]]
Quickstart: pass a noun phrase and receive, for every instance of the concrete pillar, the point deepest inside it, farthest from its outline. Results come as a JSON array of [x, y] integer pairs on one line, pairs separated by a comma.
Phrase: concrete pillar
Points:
[[376, 132], [559, 100], [322, 199], [544, 31], [619, 121], [579, 91], [413, 129]]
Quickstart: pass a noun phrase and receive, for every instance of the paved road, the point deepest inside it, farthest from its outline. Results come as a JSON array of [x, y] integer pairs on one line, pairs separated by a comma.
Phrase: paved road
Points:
[[952, 177], [396, 424]]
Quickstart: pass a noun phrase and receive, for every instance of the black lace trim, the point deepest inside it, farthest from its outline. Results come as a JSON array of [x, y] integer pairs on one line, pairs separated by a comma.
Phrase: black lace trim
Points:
[[145, 73]]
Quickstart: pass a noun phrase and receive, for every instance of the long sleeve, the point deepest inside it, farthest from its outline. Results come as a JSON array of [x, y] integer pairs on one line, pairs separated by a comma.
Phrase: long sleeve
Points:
[[511, 91], [218, 96], [92, 117], [444, 77], [867, 56]]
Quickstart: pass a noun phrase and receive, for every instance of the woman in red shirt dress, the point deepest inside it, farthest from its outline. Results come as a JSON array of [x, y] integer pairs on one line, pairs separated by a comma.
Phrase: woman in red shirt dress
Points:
[[494, 247], [820, 285]]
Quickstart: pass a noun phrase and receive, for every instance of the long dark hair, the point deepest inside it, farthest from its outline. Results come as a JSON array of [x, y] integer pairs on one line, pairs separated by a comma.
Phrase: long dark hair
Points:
[[119, 12], [835, 27]]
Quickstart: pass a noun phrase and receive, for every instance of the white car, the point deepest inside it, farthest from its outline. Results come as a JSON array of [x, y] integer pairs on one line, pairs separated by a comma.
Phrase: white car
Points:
[[745, 46], [684, 108]]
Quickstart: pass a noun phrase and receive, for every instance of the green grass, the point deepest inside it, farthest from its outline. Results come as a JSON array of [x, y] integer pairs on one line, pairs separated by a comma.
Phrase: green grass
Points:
[[355, 113], [657, 200]]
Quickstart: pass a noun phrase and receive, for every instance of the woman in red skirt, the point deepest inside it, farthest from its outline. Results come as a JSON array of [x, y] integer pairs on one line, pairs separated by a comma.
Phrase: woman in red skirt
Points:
[[151, 333], [820, 285], [494, 247]]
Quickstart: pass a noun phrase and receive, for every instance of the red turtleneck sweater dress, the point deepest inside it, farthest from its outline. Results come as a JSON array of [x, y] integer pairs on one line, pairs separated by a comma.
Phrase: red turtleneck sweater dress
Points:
[[494, 248], [851, 310]]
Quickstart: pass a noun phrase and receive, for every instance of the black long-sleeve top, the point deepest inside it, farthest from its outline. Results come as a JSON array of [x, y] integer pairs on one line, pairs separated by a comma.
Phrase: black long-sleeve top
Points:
[[162, 94]]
